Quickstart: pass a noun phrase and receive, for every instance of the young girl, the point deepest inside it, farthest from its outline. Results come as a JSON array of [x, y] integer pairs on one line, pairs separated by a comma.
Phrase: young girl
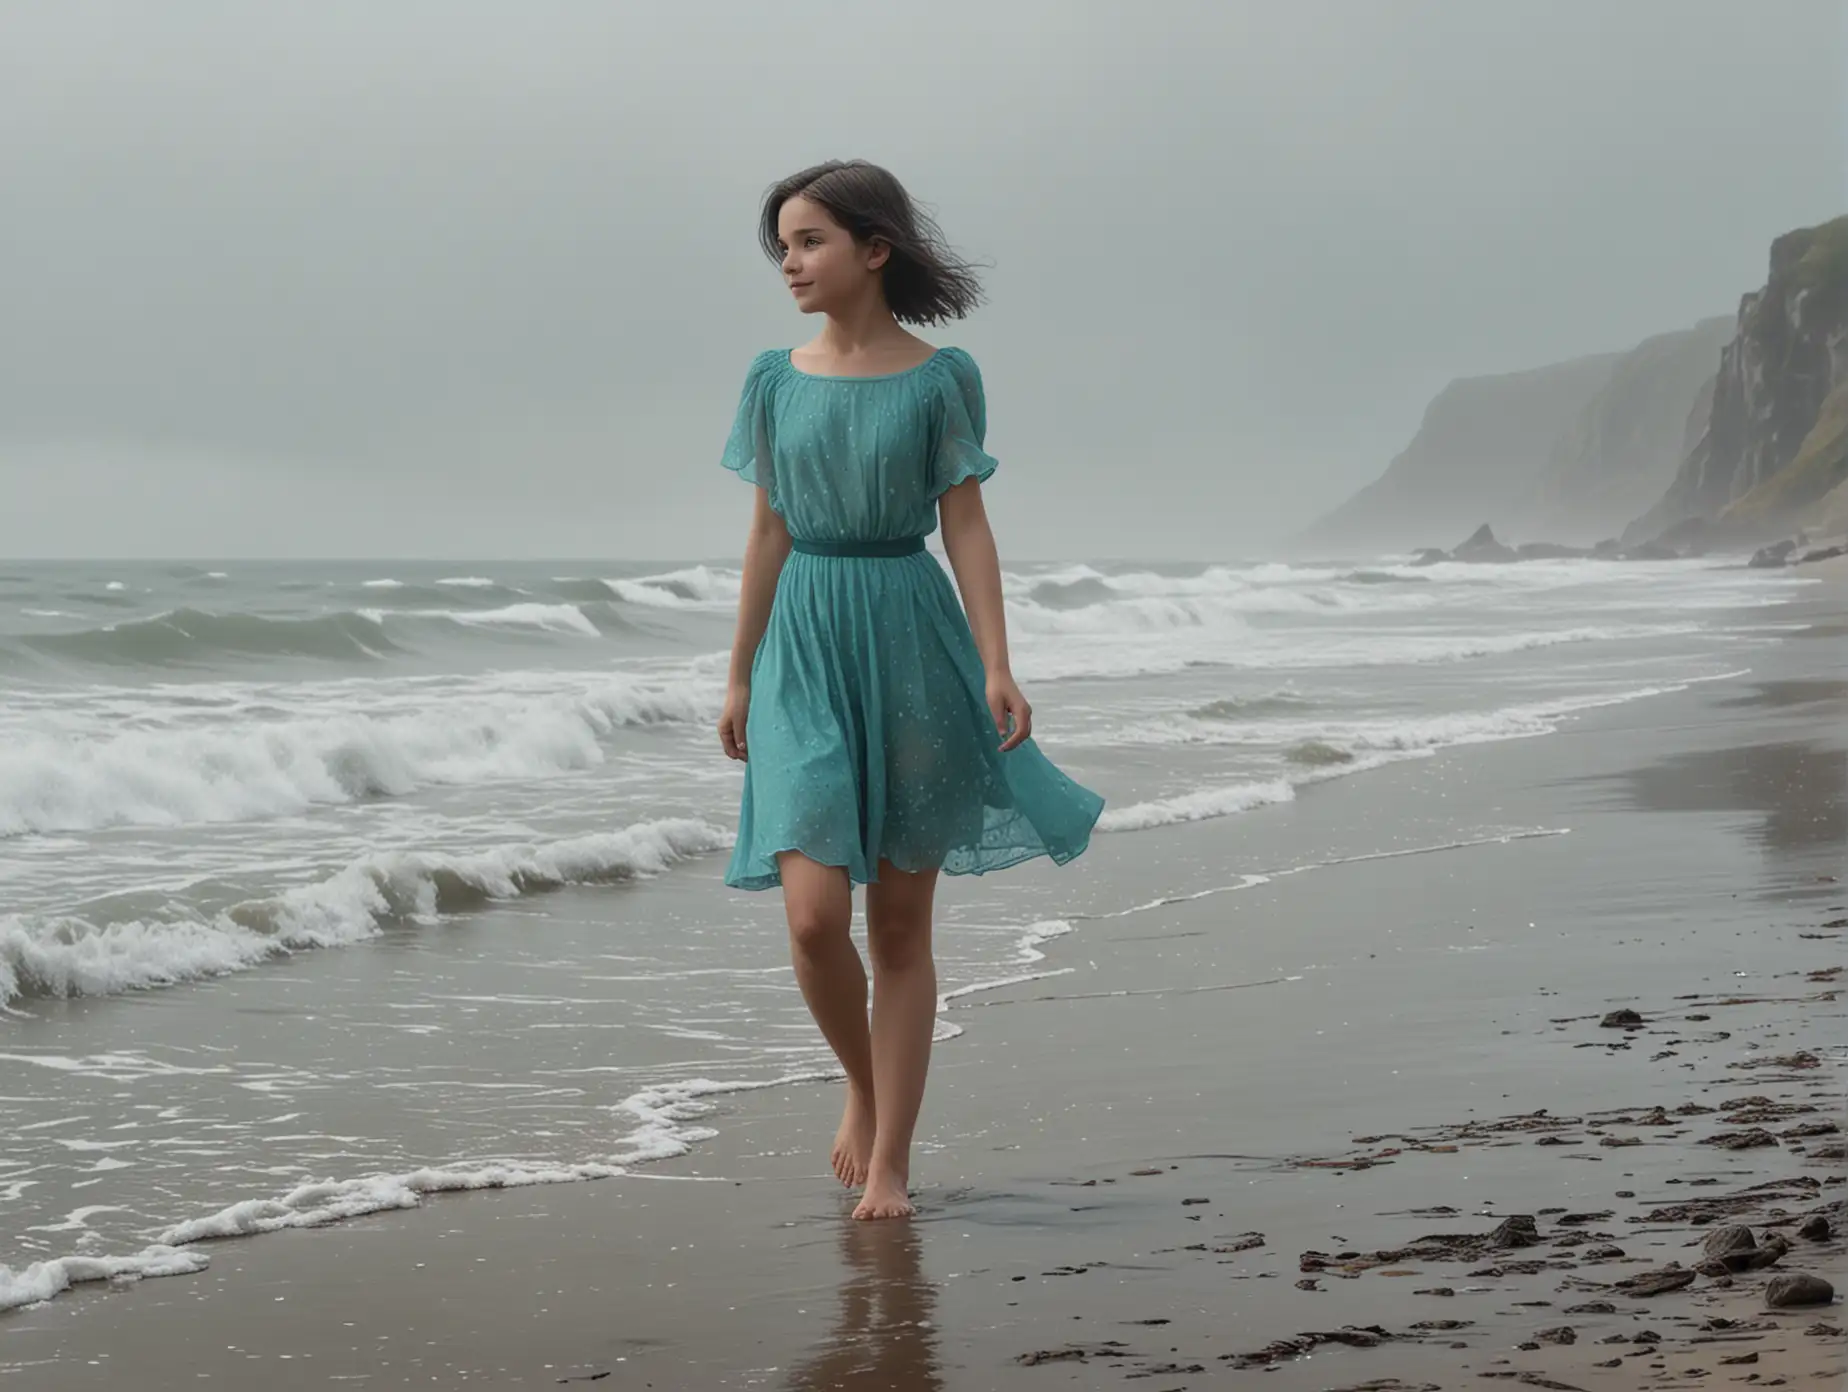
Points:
[[885, 740]]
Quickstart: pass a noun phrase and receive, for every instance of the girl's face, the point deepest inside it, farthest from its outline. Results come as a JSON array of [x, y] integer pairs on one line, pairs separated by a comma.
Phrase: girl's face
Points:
[[825, 269]]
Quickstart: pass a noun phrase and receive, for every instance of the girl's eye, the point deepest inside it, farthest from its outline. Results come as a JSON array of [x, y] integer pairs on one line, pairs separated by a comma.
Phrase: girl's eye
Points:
[[812, 241]]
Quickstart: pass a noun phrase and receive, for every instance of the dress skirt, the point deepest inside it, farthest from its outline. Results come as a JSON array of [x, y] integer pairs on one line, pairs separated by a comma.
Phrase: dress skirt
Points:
[[868, 736]]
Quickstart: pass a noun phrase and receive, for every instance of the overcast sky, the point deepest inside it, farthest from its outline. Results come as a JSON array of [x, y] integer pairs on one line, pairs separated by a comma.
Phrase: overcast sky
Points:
[[451, 278]]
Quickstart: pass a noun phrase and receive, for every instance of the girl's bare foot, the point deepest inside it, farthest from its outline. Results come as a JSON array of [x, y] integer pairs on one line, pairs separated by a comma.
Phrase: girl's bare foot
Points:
[[853, 1143], [886, 1196]]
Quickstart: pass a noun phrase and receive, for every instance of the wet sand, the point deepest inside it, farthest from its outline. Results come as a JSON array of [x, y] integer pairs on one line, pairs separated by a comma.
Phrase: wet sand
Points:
[[1357, 1124]]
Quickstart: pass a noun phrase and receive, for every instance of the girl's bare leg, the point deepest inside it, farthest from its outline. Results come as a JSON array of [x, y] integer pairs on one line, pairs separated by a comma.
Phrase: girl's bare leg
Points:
[[818, 901], [898, 912]]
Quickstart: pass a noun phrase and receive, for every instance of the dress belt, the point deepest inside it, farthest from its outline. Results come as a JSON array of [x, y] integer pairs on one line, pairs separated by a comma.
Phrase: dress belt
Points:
[[888, 546]]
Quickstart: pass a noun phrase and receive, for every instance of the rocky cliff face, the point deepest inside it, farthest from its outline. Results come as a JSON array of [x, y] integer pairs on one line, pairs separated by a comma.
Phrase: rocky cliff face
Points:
[[1481, 444], [1625, 447], [1735, 431], [1776, 441]]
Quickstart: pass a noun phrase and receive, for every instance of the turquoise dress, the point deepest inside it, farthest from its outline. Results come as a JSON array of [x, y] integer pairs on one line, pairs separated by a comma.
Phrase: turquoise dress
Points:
[[868, 735]]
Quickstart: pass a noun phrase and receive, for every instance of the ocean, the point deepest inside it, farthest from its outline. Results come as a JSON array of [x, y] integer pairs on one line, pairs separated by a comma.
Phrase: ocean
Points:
[[327, 886]]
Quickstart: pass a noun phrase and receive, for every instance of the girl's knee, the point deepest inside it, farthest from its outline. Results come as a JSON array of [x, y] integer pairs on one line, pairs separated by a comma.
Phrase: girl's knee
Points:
[[898, 945], [817, 901], [816, 928]]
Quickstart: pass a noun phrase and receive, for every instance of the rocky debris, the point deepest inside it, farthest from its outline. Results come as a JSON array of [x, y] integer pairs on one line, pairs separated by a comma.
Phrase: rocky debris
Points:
[[1244, 1242], [1731, 1238], [1755, 1111], [1822, 553], [1750, 1139], [1481, 547], [1772, 557], [1802, 1059], [1073, 1353], [1569, 1244], [1751, 1256], [1700, 1212], [1794, 1289], [1514, 1232], [1281, 1350], [1672, 1277]]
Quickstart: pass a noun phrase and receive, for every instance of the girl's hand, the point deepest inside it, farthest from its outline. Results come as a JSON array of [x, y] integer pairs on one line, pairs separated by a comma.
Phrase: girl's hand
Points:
[[731, 721], [1005, 701]]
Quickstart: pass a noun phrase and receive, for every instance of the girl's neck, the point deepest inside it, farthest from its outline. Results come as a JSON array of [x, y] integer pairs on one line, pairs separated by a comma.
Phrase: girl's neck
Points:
[[860, 329]]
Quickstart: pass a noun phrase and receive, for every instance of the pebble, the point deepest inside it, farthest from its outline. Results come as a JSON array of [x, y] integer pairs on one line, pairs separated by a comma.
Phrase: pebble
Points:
[[1797, 1288]]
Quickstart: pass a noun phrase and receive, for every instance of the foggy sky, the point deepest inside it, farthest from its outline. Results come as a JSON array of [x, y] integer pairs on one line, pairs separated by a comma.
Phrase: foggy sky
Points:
[[445, 278]]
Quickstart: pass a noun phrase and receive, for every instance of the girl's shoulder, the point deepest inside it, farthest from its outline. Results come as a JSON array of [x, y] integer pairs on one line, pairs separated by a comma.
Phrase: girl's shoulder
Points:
[[957, 370], [958, 362], [767, 363]]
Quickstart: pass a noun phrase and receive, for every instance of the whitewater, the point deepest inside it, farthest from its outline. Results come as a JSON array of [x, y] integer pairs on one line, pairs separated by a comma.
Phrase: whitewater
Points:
[[328, 886]]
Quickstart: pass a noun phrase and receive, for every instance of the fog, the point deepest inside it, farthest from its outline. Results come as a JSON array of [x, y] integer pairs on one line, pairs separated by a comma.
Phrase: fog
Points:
[[465, 279]]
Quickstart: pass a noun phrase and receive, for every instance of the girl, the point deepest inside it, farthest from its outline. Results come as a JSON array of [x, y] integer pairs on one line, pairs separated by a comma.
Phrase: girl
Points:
[[885, 738]]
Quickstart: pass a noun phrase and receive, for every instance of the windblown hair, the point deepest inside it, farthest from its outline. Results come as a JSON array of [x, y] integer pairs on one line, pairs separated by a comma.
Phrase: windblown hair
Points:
[[924, 281]]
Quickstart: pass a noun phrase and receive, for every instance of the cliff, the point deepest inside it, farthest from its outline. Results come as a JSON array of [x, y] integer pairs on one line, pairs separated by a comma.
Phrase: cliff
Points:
[[1627, 444], [1482, 442], [1776, 443]]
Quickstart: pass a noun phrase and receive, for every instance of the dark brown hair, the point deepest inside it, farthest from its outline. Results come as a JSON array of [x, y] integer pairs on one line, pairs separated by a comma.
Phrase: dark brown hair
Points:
[[924, 281]]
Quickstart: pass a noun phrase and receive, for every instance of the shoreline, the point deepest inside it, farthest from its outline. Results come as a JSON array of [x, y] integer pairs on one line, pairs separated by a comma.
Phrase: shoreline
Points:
[[1044, 1120]]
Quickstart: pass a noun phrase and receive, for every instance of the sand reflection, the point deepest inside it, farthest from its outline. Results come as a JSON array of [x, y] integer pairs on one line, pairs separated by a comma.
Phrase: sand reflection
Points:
[[885, 1334], [1798, 791]]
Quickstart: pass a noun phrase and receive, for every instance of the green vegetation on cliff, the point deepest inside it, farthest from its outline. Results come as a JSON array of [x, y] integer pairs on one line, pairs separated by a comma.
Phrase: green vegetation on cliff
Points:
[[1821, 465], [1822, 261], [1777, 434]]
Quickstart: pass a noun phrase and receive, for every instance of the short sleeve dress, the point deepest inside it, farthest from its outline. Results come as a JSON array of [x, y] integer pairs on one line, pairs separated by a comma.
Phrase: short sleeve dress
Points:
[[868, 733]]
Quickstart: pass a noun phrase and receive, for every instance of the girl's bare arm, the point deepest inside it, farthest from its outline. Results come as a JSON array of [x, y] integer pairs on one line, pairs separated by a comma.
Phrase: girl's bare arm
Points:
[[970, 544], [766, 547]]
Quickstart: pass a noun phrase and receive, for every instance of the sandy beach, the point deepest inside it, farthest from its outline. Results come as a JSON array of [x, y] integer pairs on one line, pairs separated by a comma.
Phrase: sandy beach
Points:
[[1362, 1118]]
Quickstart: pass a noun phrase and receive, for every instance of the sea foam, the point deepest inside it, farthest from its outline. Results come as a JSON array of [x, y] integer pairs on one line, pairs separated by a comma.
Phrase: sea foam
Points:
[[242, 768], [68, 955]]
